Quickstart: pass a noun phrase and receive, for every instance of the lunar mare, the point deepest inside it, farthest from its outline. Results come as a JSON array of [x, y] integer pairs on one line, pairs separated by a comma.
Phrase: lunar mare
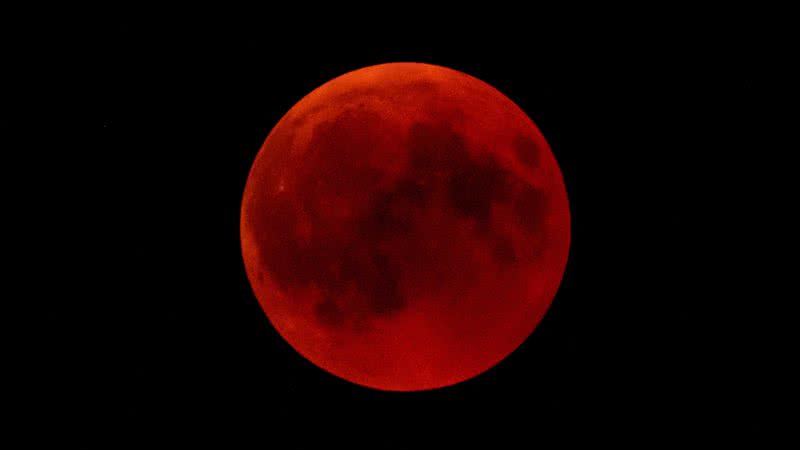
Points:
[[405, 226]]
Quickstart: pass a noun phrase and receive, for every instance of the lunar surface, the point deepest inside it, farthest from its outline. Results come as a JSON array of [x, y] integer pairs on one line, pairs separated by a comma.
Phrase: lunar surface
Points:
[[405, 227]]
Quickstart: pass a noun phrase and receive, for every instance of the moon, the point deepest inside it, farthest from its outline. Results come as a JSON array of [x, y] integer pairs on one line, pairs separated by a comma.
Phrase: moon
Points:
[[405, 226]]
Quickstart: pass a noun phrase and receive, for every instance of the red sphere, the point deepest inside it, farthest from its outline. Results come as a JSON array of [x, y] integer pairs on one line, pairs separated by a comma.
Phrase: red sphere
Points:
[[405, 226]]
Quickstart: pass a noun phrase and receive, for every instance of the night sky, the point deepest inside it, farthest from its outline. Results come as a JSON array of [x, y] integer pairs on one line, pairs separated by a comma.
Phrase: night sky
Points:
[[644, 120]]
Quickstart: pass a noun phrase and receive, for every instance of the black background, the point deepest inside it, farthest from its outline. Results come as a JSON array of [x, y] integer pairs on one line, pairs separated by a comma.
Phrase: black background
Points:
[[645, 118]]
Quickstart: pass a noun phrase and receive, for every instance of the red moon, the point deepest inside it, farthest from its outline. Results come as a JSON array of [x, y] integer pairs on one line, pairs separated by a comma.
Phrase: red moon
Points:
[[405, 226]]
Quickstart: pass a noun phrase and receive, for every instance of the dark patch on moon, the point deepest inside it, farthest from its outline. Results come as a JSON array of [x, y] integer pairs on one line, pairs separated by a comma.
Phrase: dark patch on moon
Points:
[[387, 216], [503, 250], [334, 260], [527, 151], [385, 295], [473, 184], [530, 208], [416, 192]]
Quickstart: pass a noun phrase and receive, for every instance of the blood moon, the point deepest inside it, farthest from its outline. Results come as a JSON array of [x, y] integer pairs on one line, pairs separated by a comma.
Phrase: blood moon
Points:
[[405, 226]]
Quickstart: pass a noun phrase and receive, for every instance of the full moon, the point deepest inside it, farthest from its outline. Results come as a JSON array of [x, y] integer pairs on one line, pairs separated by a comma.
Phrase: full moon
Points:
[[405, 226]]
